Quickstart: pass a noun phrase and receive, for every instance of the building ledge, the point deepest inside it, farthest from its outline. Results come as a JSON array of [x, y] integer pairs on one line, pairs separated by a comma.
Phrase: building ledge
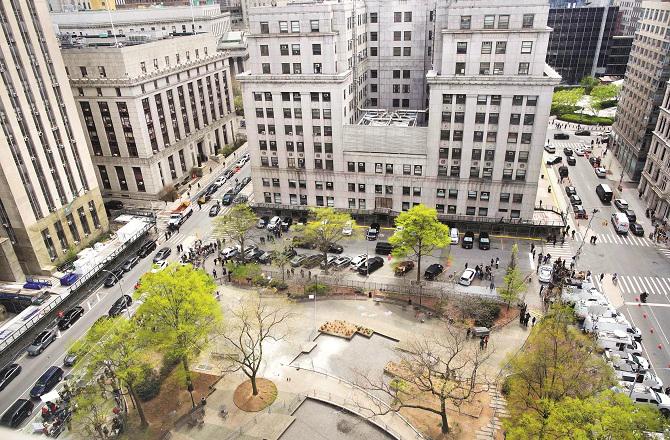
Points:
[[299, 79]]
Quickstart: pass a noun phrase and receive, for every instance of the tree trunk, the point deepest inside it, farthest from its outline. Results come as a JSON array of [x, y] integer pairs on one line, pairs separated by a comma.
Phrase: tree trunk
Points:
[[138, 406], [184, 362], [443, 415], [254, 387], [325, 258], [418, 269]]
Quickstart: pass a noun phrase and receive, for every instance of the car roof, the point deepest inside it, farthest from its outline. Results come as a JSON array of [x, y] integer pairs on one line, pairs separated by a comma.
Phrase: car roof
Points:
[[468, 271]]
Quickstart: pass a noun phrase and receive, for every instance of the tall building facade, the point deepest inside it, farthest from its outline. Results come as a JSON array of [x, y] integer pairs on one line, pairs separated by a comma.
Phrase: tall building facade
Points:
[[655, 181], [581, 40], [629, 14], [340, 113], [49, 198], [153, 111], [643, 88]]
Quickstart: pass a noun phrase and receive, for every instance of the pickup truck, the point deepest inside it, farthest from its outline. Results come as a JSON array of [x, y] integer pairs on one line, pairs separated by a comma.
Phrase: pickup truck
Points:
[[179, 215]]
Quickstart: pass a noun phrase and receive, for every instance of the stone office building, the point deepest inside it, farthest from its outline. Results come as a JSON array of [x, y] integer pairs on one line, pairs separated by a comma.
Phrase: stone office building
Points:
[[153, 111], [330, 122]]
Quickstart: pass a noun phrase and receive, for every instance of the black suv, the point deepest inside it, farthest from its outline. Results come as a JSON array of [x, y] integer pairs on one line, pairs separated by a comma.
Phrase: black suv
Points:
[[120, 305], [228, 198], [146, 248], [17, 413], [47, 381], [468, 240], [484, 241], [371, 265], [373, 232], [433, 271], [113, 277], [70, 317], [562, 136]]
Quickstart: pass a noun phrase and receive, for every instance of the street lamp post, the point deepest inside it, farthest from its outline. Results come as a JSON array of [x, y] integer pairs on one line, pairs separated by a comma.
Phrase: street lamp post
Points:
[[579, 250], [120, 283]]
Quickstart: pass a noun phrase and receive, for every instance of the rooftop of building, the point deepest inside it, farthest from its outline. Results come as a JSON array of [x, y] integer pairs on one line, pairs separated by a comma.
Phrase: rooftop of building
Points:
[[385, 118], [104, 40]]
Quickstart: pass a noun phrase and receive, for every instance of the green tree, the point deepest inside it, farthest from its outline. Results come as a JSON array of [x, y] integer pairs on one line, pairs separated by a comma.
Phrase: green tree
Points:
[[601, 94], [280, 256], [556, 362], [606, 416], [565, 101], [179, 310], [251, 326], [115, 344], [326, 229], [589, 83], [418, 233], [237, 225], [513, 282], [91, 413]]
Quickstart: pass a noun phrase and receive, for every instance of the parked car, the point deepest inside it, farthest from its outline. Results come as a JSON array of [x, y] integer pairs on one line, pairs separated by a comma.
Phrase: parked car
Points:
[[8, 374], [341, 262], [328, 262], [575, 200], [348, 228], [579, 151], [433, 271], [42, 341], [262, 222], [113, 277], [264, 258], [157, 267], [70, 358], [561, 136], [357, 261], [274, 223], [130, 263], [580, 212], [568, 151], [214, 210], [373, 232], [553, 160], [298, 260], [636, 229], [468, 240], [230, 252], [621, 204], [47, 381], [632, 218], [220, 181], [120, 305], [484, 241], [467, 277], [312, 261], [17, 413], [594, 161], [383, 248], [582, 133], [371, 265], [550, 149], [601, 172], [162, 254], [240, 199], [255, 255], [570, 190], [571, 161], [545, 273], [70, 317], [335, 248], [403, 267], [227, 198], [286, 223], [146, 248]]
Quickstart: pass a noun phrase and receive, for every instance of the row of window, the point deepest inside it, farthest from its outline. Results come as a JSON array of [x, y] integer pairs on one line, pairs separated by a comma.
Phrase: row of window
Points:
[[285, 26], [491, 136], [493, 118], [292, 68], [74, 230], [489, 21], [498, 68], [297, 130], [487, 47], [284, 49], [293, 96], [293, 113], [531, 101], [485, 173], [380, 168]]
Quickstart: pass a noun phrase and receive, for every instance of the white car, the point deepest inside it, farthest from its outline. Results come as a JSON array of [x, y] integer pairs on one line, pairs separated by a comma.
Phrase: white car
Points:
[[220, 181], [579, 151], [544, 274], [229, 252], [358, 261], [157, 267], [348, 229], [467, 277], [601, 172]]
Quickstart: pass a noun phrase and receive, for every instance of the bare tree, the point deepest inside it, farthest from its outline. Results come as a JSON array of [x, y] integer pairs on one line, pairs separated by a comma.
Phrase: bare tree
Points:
[[247, 329], [443, 368]]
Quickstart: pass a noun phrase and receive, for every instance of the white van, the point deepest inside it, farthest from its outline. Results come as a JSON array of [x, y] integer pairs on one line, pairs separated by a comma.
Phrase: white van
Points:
[[643, 394], [618, 342], [573, 294], [453, 234], [274, 223], [594, 324], [645, 378], [620, 223], [582, 306]]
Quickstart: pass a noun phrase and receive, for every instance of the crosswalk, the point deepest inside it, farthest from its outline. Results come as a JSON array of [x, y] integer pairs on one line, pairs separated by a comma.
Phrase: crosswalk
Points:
[[665, 252], [561, 145], [559, 250], [635, 285], [629, 239]]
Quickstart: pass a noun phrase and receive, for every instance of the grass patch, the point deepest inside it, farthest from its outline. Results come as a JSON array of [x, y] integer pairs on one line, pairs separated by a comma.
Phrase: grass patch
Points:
[[579, 118]]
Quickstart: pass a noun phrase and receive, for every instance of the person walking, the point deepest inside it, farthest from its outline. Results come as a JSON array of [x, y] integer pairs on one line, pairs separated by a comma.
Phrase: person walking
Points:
[[497, 262], [486, 341], [573, 234], [481, 343], [533, 322]]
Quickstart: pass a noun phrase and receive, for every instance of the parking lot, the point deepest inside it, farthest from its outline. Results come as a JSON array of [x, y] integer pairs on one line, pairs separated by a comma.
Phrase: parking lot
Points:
[[453, 258]]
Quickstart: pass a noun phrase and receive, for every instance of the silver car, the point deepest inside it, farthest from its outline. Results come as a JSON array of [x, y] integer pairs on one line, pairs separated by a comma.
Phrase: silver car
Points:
[[42, 341]]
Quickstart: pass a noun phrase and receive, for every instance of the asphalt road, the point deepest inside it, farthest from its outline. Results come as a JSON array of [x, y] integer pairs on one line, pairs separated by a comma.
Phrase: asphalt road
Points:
[[640, 265], [100, 300]]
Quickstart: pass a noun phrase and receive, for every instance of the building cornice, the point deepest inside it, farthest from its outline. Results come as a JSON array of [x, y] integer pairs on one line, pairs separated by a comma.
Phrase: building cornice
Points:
[[545, 30], [491, 80], [290, 79]]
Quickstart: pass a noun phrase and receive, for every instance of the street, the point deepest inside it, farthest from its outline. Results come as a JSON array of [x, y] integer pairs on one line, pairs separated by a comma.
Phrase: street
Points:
[[101, 300], [640, 265]]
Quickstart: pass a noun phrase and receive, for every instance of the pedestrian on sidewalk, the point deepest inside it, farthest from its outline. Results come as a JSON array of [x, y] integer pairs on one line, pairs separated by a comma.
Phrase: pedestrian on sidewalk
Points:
[[533, 322], [614, 278], [497, 262], [492, 286], [466, 265], [481, 343], [541, 289], [486, 341], [573, 234]]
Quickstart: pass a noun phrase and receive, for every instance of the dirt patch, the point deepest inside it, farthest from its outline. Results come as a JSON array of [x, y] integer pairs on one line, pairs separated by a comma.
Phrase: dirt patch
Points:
[[174, 400], [344, 329], [246, 401]]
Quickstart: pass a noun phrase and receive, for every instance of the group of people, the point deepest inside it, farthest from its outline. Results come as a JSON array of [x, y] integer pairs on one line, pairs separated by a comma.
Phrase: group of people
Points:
[[524, 316], [198, 252]]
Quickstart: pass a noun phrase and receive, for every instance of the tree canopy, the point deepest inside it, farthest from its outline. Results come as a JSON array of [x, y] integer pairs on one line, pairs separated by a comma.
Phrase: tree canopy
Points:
[[565, 101], [513, 282], [589, 83], [179, 310], [237, 225], [418, 233], [325, 229]]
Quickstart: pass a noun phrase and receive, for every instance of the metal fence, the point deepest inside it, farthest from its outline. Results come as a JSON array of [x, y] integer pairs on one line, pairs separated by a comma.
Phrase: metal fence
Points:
[[432, 290], [80, 283]]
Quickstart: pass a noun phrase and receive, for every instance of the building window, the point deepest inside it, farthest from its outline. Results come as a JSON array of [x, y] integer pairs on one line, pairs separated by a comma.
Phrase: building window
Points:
[[470, 210], [465, 21], [528, 20], [283, 27], [314, 25], [461, 47], [351, 167], [460, 69], [265, 28], [316, 49], [266, 68], [489, 21], [487, 47], [265, 51], [498, 68], [503, 22], [361, 167], [501, 47], [373, 17], [524, 68], [526, 47], [483, 212], [484, 68], [520, 174]]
